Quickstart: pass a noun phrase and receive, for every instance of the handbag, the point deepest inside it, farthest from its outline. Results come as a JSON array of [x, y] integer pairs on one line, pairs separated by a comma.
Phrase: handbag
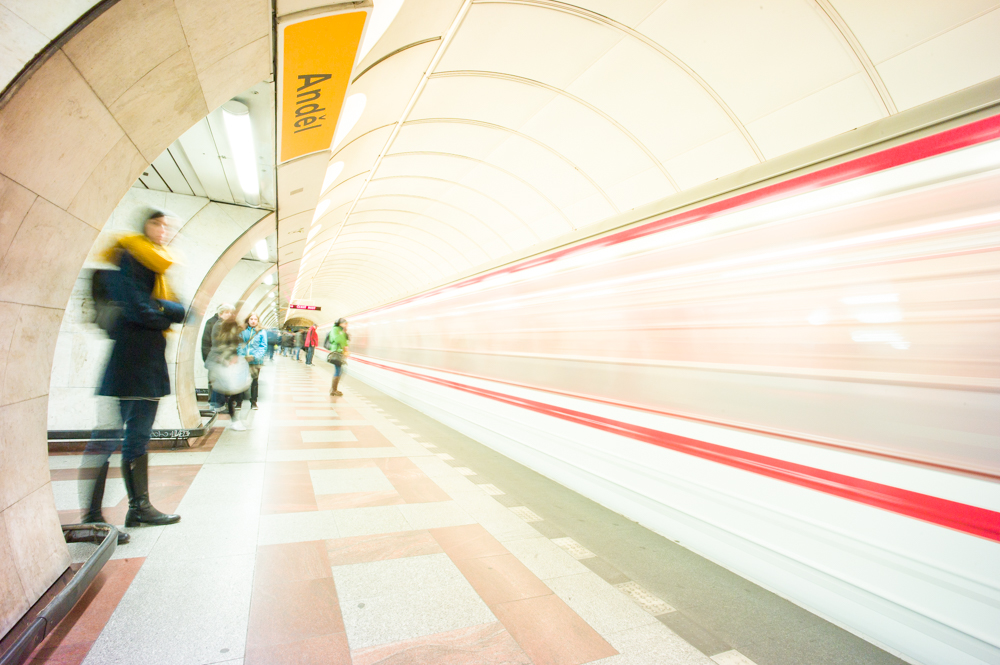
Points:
[[230, 379], [335, 358]]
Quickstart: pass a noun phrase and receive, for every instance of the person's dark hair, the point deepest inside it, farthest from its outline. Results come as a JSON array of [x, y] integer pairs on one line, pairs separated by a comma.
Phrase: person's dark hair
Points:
[[339, 321], [153, 213]]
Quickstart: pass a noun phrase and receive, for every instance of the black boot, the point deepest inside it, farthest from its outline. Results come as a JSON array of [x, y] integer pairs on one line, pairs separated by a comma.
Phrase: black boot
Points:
[[96, 492], [140, 510]]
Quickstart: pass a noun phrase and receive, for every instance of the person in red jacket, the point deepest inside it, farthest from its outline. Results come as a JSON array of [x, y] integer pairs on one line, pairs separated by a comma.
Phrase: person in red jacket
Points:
[[311, 342]]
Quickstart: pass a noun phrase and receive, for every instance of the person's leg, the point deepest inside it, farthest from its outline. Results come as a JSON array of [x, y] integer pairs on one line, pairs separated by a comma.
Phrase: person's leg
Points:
[[94, 474], [231, 406], [337, 371], [138, 416], [309, 355], [254, 376]]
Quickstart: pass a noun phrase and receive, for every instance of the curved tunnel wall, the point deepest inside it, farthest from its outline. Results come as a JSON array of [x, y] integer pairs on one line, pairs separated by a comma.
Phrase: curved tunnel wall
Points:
[[102, 104], [774, 379]]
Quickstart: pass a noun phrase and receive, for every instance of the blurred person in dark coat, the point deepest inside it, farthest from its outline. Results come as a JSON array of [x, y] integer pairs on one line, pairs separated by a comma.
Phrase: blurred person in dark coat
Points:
[[215, 400], [137, 369]]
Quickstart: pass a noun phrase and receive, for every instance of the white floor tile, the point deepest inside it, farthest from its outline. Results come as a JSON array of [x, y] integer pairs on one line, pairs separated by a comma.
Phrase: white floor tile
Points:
[[367, 521], [297, 527], [344, 481], [601, 605], [328, 436]]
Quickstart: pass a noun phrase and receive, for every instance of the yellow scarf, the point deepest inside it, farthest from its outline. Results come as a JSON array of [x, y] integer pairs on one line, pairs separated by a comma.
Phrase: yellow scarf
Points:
[[154, 257]]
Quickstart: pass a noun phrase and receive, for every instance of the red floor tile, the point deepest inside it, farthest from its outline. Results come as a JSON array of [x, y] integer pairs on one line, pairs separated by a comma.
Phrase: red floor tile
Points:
[[381, 547], [287, 488], [76, 634], [467, 541], [501, 579], [358, 500], [292, 562], [551, 633], [477, 645], [329, 649]]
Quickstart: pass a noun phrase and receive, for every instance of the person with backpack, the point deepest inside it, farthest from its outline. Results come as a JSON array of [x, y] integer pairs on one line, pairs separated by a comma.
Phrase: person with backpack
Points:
[[226, 355], [287, 341], [337, 342], [136, 372], [312, 341], [253, 347], [300, 340]]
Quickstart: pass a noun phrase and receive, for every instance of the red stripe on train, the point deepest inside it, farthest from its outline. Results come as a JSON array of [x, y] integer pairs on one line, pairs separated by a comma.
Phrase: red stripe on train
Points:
[[942, 512]]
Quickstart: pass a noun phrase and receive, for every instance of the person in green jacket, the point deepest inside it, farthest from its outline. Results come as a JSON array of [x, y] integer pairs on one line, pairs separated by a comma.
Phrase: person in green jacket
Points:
[[337, 342]]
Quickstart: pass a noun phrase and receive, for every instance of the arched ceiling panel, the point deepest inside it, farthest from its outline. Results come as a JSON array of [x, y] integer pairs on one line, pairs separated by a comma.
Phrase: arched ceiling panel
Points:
[[730, 45], [955, 60], [668, 110], [517, 197], [561, 124], [389, 87], [460, 138], [489, 241], [494, 101], [416, 21], [727, 154], [889, 27], [521, 39], [433, 248], [455, 236]]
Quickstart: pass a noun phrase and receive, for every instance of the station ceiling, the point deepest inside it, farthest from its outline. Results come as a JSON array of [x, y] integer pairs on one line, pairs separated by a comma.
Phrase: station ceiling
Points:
[[493, 126]]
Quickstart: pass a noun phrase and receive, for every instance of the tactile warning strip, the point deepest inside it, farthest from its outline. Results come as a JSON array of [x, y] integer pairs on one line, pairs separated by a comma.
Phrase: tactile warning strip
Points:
[[573, 548], [525, 514], [492, 490], [644, 599]]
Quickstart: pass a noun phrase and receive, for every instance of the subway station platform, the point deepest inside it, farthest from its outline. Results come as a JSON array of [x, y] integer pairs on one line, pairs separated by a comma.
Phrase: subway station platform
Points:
[[358, 530]]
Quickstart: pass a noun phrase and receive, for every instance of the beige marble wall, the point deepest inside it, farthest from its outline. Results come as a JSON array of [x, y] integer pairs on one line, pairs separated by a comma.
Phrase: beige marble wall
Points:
[[75, 136]]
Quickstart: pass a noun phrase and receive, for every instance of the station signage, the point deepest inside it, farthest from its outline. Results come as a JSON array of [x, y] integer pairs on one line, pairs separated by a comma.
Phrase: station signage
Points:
[[316, 57], [313, 308]]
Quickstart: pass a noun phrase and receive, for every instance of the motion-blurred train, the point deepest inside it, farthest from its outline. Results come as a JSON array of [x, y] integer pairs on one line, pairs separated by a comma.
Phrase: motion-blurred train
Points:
[[799, 380]]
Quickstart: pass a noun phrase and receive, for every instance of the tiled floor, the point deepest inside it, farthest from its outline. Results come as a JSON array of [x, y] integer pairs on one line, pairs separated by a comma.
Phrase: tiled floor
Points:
[[331, 533]]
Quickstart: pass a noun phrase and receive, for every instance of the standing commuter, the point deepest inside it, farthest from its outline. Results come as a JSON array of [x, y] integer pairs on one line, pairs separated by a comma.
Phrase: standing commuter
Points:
[[215, 400], [312, 341], [226, 347], [137, 369], [287, 341], [271, 343], [337, 342], [300, 340], [253, 347]]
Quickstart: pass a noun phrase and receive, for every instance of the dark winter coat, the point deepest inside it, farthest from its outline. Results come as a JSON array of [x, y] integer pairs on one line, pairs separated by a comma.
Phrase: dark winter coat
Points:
[[138, 367], [206, 337]]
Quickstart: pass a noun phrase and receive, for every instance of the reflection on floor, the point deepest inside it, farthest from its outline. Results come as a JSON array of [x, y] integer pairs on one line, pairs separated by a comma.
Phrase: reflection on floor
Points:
[[355, 530]]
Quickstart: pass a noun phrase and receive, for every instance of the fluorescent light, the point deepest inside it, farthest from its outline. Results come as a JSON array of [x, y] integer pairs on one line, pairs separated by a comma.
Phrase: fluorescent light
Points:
[[236, 118], [270, 295], [331, 174], [260, 249], [354, 106], [313, 231], [379, 21], [269, 279], [321, 208]]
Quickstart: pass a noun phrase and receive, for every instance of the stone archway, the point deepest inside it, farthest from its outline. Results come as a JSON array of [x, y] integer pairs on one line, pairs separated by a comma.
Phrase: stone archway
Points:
[[77, 128]]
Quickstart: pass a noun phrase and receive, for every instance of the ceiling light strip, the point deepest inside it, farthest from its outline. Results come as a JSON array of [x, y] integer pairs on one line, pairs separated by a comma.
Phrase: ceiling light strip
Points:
[[449, 36]]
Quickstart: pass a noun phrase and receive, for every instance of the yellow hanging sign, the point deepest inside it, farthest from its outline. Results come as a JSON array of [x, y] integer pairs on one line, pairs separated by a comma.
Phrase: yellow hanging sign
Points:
[[317, 58]]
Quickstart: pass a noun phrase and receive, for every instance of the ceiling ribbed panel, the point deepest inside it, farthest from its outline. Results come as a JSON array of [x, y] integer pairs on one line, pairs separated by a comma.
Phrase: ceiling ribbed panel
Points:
[[496, 126]]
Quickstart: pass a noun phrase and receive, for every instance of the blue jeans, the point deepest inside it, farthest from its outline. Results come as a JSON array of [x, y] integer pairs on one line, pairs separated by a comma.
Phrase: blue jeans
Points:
[[309, 354], [297, 349], [137, 426], [270, 351]]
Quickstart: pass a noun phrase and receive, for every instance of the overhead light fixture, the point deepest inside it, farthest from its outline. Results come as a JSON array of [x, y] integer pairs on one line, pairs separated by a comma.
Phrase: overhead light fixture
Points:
[[320, 209], [236, 119], [354, 106], [269, 279], [313, 231], [271, 294], [331, 174], [381, 18], [260, 249]]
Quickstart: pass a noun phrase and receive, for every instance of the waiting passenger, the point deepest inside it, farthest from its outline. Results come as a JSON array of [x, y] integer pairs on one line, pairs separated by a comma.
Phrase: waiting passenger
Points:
[[225, 358], [254, 347], [337, 342], [137, 369]]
